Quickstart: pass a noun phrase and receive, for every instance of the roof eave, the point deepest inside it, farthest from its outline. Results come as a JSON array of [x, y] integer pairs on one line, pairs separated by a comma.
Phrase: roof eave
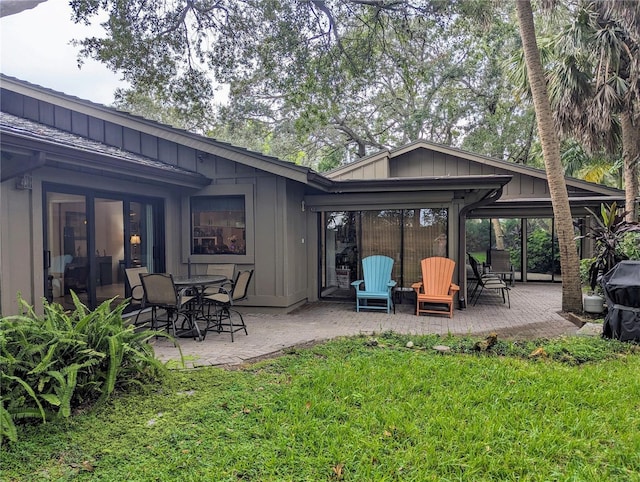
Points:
[[196, 141], [421, 183], [62, 155]]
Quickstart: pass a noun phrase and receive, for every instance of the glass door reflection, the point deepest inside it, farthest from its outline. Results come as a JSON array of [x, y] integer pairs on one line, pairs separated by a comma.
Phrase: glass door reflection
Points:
[[67, 260], [109, 248]]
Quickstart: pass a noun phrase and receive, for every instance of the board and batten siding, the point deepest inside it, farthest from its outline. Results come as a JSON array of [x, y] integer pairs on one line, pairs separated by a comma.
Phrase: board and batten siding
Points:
[[424, 162], [20, 260], [279, 255], [378, 169], [279, 224]]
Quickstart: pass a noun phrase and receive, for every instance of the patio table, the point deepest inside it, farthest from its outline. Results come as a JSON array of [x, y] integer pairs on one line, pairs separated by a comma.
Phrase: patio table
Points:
[[199, 281], [196, 283]]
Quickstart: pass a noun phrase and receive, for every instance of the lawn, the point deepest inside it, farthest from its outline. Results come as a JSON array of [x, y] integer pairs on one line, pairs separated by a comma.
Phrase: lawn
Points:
[[362, 410]]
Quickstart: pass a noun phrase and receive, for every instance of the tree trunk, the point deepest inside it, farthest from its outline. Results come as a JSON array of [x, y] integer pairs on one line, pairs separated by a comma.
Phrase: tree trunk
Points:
[[569, 261], [498, 233], [631, 159]]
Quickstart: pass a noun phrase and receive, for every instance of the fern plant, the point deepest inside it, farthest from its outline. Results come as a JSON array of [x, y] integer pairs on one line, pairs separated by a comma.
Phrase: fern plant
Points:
[[52, 363]]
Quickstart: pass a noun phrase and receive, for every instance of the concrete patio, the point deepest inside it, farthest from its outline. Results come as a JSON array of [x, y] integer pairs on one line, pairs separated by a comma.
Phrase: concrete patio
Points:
[[534, 313]]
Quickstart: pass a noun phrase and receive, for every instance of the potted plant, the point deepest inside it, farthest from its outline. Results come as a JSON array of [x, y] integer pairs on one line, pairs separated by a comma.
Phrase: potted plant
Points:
[[592, 300], [608, 235]]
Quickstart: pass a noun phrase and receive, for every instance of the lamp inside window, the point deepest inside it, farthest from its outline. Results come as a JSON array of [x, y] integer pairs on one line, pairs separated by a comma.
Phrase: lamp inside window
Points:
[[135, 242]]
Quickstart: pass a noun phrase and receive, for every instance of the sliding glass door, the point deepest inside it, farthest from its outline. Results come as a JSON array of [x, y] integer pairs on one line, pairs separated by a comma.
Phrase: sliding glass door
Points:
[[66, 248], [406, 235], [91, 239]]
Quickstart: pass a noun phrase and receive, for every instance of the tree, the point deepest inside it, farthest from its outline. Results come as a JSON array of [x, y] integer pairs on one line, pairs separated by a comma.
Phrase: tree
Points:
[[595, 84], [157, 106], [569, 260], [332, 77]]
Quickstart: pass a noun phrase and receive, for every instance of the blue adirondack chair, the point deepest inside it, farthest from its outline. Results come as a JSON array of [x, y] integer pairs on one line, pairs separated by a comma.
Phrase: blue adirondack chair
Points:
[[377, 283]]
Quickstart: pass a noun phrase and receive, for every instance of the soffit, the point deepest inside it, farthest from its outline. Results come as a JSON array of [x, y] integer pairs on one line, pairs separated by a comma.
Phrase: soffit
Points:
[[541, 207], [404, 192]]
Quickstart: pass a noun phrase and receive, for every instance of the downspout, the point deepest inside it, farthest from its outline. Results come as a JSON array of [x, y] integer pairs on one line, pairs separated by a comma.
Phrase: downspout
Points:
[[489, 198]]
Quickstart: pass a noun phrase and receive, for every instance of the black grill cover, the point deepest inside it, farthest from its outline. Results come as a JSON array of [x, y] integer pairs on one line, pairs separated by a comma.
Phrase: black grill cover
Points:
[[621, 287]]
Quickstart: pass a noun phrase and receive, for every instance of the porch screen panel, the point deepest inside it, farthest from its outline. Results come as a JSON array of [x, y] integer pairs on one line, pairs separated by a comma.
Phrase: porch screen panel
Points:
[[425, 235], [380, 233], [543, 254]]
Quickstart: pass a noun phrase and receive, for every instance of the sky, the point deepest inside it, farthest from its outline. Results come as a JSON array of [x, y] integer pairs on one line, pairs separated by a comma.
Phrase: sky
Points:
[[35, 47]]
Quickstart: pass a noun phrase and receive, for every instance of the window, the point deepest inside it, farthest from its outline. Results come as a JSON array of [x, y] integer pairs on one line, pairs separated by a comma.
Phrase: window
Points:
[[218, 225], [406, 235]]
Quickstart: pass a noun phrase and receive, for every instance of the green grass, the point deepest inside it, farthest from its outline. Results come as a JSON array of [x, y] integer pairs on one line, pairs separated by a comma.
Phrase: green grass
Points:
[[355, 410]]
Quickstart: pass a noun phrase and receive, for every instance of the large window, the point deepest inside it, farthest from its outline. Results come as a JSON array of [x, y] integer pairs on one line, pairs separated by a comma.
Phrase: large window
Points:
[[407, 236], [218, 225]]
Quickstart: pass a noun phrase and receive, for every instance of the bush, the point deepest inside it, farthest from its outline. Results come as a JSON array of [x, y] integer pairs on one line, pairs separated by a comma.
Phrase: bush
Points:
[[613, 236], [52, 364], [630, 246], [539, 249], [585, 267]]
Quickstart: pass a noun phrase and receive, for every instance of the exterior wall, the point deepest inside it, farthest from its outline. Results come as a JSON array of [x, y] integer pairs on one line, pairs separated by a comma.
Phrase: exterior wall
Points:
[[22, 237], [276, 251], [424, 162], [378, 169], [19, 258], [280, 251], [295, 229], [280, 256]]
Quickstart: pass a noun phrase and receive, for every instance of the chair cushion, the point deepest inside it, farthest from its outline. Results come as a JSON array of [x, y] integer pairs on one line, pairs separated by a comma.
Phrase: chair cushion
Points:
[[186, 299], [494, 283], [219, 298]]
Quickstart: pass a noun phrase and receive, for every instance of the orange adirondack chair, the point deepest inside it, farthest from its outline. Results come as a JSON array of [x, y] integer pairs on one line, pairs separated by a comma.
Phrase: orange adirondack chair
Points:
[[436, 286]]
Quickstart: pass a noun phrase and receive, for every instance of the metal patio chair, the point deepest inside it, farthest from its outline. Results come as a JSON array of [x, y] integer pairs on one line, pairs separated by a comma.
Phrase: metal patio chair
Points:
[[500, 264], [168, 305], [137, 291], [224, 269], [221, 303], [489, 281]]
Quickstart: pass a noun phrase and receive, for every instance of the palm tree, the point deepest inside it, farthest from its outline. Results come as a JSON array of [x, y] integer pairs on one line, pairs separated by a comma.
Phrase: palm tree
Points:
[[569, 261], [597, 167], [628, 15], [595, 84]]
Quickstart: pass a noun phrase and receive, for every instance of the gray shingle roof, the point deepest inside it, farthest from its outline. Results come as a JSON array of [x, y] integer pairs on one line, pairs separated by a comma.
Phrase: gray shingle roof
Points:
[[10, 124]]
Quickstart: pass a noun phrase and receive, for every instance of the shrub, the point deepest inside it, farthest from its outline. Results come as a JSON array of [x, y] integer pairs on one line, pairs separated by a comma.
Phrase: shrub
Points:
[[539, 247], [630, 246], [52, 364], [610, 235], [585, 267]]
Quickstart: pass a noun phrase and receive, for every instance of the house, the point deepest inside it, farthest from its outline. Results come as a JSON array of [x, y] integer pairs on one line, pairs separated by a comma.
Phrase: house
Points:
[[525, 200], [87, 191]]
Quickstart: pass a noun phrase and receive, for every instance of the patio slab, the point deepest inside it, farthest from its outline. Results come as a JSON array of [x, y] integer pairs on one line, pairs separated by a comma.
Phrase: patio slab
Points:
[[534, 313]]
